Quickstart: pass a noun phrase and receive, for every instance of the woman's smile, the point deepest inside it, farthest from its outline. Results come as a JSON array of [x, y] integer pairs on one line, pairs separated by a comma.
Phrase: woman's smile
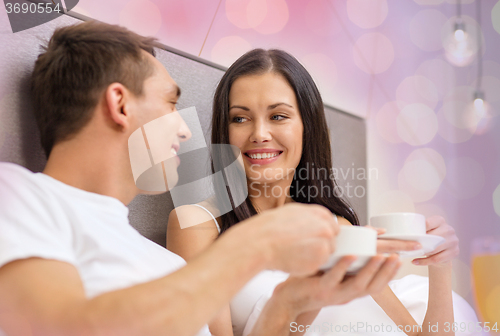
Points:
[[262, 156]]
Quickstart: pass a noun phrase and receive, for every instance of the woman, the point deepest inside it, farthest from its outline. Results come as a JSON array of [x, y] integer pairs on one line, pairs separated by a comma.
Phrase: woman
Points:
[[268, 106]]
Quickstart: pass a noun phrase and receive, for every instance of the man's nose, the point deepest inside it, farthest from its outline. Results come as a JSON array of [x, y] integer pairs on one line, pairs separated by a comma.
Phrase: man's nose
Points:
[[184, 132]]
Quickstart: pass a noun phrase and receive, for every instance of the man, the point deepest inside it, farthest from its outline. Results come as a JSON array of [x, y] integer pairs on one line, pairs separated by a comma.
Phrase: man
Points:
[[70, 263]]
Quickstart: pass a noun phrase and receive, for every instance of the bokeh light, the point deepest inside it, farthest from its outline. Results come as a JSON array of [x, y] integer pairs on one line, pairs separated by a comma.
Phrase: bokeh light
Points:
[[451, 133], [460, 115], [495, 17], [460, 93], [439, 72], [417, 124], [367, 13], [423, 28], [322, 69], [429, 2], [404, 184], [461, 52], [385, 121], [417, 89], [491, 87], [422, 174], [432, 156], [465, 177], [392, 201], [228, 49], [460, 111], [320, 19], [241, 12], [373, 53], [276, 16], [256, 12], [462, 2], [141, 16], [496, 200], [430, 209]]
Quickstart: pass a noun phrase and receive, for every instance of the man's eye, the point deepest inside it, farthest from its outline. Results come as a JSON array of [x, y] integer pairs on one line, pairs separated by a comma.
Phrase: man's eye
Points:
[[238, 119]]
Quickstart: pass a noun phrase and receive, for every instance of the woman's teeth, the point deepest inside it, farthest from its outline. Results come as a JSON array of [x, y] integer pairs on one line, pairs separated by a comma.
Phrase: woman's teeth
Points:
[[173, 151], [263, 155]]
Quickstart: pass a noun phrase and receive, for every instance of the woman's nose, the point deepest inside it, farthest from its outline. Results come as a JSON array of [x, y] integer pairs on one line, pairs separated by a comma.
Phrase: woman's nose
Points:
[[260, 132]]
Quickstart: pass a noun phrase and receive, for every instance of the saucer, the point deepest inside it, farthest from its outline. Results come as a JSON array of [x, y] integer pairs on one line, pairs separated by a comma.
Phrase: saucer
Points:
[[429, 243], [361, 260]]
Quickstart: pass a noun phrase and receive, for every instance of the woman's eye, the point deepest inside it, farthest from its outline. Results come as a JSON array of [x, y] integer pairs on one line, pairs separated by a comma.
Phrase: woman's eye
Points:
[[278, 117], [238, 119]]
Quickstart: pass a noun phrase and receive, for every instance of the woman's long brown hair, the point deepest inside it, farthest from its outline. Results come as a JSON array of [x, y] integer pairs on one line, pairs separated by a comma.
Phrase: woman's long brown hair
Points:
[[316, 150]]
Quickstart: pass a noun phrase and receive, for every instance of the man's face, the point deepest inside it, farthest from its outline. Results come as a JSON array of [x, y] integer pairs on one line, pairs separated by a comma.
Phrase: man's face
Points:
[[159, 99]]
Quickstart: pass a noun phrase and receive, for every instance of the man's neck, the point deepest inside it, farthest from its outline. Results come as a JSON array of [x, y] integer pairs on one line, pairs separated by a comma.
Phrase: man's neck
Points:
[[94, 166]]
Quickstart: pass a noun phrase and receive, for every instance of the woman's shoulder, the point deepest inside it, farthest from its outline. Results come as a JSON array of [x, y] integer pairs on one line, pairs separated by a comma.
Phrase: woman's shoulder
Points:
[[210, 205], [203, 213], [190, 229]]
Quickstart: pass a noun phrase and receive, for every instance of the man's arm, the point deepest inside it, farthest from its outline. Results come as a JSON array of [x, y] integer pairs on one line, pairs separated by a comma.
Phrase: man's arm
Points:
[[299, 300], [49, 295]]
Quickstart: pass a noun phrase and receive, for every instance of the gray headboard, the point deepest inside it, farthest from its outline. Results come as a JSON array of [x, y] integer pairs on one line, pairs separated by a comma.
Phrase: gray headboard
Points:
[[197, 78]]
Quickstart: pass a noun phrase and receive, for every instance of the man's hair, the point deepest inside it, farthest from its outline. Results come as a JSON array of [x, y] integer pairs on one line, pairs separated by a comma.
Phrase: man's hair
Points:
[[77, 65]]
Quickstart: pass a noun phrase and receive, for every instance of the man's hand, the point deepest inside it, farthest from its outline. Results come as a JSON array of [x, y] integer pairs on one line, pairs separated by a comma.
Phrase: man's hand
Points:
[[444, 253], [334, 287], [295, 238]]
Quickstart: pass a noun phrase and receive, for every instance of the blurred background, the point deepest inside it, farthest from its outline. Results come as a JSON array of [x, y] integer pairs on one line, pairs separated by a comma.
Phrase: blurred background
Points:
[[423, 74]]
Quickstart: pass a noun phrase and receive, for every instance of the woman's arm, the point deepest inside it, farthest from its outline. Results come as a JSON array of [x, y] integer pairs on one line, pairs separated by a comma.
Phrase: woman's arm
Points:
[[396, 311], [440, 303], [191, 230]]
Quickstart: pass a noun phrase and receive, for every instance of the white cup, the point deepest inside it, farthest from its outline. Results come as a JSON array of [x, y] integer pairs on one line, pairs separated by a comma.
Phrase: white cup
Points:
[[400, 223], [353, 240]]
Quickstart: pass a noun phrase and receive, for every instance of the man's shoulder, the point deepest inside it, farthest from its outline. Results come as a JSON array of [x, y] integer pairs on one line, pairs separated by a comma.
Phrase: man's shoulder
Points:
[[22, 190], [9, 168], [16, 177]]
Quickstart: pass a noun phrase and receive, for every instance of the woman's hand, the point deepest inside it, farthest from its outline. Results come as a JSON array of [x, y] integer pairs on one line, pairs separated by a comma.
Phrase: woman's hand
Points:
[[444, 253], [334, 287]]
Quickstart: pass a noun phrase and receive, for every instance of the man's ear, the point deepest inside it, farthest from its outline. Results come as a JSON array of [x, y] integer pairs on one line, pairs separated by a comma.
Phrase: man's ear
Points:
[[117, 97]]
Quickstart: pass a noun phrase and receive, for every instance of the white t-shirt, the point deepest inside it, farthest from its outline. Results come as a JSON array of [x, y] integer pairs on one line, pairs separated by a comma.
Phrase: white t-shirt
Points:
[[43, 217]]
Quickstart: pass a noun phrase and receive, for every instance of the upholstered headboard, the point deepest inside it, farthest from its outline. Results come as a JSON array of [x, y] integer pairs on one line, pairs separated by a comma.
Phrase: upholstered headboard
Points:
[[197, 78]]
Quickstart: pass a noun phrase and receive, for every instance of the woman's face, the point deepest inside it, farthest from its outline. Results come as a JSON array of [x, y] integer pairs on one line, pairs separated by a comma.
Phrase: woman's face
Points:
[[265, 124]]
